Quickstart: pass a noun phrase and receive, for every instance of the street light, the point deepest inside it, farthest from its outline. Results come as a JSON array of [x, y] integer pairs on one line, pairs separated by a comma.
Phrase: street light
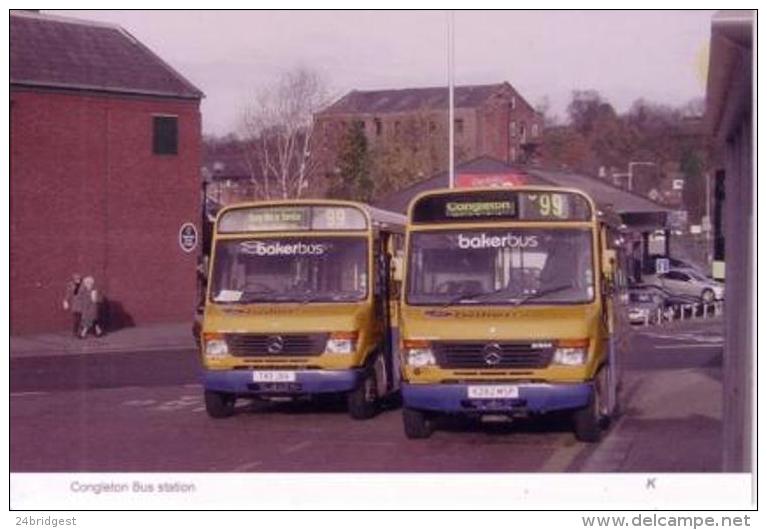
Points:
[[630, 173], [451, 101]]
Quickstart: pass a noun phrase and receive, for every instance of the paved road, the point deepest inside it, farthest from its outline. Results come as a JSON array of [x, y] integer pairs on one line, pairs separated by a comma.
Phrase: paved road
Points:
[[144, 412]]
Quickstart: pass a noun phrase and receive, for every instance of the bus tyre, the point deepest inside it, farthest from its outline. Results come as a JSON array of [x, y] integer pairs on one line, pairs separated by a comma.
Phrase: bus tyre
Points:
[[589, 421], [219, 404], [362, 402], [417, 424], [588, 427]]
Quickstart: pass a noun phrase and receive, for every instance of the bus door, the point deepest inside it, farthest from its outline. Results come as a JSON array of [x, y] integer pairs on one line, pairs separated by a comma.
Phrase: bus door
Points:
[[386, 301], [610, 305]]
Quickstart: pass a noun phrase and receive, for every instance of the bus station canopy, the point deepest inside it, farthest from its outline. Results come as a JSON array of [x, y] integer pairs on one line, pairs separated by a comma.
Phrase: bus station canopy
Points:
[[637, 212]]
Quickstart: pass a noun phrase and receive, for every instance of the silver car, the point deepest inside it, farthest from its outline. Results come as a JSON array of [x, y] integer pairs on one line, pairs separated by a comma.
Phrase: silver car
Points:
[[690, 283]]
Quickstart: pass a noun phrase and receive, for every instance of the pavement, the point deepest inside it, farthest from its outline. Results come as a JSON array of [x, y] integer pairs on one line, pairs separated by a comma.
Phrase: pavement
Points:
[[672, 403], [155, 337]]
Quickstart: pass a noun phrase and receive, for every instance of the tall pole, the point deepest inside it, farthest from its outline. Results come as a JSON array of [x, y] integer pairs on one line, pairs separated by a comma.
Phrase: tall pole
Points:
[[450, 90], [709, 224]]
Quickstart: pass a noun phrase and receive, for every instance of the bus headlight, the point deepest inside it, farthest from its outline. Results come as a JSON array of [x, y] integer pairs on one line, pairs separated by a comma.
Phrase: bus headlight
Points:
[[215, 345], [571, 352], [341, 342], [418, 353]]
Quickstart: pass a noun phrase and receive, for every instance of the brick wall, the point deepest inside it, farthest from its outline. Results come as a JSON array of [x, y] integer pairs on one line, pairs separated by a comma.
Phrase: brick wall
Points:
[[495, 137], [89, 196]]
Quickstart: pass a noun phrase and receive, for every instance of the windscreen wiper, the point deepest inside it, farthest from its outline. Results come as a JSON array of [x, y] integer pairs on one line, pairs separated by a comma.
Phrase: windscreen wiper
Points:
[[472, 296], [544, 292]]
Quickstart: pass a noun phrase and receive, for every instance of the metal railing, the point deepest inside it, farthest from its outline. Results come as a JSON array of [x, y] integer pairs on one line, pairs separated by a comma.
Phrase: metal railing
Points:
[[684, 312]]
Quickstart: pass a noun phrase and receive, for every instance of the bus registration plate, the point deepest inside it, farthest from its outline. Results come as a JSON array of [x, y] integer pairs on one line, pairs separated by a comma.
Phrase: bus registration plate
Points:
[[273, 376], [493, 392]]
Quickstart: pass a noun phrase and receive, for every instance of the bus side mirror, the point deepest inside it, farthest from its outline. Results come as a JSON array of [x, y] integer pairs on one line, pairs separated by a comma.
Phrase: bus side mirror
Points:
[[396, 268], [608, 262]]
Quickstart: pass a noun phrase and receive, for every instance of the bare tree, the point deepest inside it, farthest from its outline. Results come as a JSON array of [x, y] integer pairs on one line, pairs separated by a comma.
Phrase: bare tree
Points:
[[277, 129]]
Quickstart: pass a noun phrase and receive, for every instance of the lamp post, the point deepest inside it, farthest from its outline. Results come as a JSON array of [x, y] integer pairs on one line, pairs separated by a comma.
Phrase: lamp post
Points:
[[630, 173], [451, 100]]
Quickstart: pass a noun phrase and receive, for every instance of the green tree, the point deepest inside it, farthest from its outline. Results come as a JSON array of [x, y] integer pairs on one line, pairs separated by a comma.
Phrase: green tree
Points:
[[353, 180]]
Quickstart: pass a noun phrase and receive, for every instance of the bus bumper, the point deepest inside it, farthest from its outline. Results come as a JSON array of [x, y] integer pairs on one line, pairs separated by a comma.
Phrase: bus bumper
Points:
[[534, 398], [307, 382]]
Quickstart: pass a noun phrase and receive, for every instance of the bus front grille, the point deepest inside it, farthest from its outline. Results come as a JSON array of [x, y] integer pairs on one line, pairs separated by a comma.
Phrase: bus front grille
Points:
[[276, 345], [492, 355]]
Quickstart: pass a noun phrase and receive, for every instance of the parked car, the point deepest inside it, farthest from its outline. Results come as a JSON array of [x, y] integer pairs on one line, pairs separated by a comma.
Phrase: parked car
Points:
[[691, 283], [644, 304], [669, 303]]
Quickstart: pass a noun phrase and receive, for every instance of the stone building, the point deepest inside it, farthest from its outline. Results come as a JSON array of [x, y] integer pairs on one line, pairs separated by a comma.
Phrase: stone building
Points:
[[490, 120]]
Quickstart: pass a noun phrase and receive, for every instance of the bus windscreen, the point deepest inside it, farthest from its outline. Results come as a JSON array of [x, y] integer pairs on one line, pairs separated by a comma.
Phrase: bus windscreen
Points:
[[290, 269], [497, 266], [501, 205]]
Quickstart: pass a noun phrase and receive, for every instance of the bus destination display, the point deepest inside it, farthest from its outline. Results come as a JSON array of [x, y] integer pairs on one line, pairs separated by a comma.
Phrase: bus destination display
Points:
[[502, 205], [291, 218]]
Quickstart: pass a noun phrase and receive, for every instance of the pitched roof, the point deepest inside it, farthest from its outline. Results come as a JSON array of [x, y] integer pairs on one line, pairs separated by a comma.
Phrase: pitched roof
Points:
[[622, 202], [408, 99], [399, 200], [226, 161], [49, 51]]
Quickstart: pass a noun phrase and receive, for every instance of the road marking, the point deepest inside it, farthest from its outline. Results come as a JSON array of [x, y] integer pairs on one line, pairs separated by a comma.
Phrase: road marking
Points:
[[248, 466], [198, 409], [698, 345], [22, 394], [178, 404], [139, 402], [561, 459], [685, 336], [296, 447]]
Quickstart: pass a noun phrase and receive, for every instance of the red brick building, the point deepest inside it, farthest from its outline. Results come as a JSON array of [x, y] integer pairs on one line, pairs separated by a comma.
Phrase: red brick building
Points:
[[105, 162], [490, 120]]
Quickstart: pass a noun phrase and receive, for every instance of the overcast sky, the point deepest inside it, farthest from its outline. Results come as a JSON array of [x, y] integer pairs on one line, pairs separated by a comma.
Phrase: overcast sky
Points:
[[659, 56]]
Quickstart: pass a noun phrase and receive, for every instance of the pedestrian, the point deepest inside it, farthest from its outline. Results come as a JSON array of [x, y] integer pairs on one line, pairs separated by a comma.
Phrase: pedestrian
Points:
[[89, 300], [71, 302]]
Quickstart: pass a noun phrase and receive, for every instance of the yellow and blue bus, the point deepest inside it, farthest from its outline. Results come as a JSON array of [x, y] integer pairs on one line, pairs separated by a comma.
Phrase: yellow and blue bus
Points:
[[300, 302], [511, 306]]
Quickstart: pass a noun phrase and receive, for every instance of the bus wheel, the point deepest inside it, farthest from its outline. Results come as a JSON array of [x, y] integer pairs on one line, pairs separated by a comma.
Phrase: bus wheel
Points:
[[589, 420], [417, 424], [362, 401], [219, 404]]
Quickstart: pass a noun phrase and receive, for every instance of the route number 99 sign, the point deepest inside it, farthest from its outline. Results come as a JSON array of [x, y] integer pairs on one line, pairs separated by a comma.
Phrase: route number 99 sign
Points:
[[549, 205], [500, 205]]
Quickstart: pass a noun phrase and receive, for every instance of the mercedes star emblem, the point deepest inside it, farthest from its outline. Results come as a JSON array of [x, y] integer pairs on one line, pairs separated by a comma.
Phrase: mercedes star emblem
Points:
[[274, 344], [492, 354]]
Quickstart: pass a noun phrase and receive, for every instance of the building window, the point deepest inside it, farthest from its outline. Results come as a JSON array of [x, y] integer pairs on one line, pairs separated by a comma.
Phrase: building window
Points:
[[379, 126], [522, 132], [513, 154], [534, 132], [458, 126], [512, 128], [165, 138], [513, 102]]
